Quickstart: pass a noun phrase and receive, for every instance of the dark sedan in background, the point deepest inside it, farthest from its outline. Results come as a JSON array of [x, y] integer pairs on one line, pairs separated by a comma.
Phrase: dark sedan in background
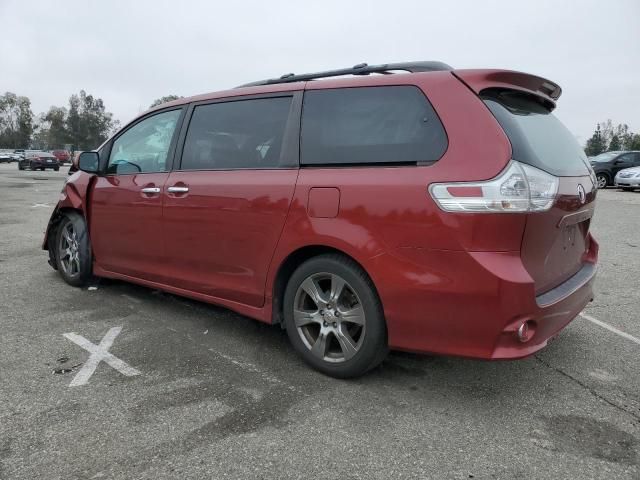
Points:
[[39, 161], [607, 165]]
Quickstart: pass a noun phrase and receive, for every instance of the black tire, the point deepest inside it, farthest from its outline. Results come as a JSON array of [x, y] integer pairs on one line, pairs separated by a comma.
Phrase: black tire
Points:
[[371, 337], [20, 167], [55, 169], [602, 180], [79, 273]]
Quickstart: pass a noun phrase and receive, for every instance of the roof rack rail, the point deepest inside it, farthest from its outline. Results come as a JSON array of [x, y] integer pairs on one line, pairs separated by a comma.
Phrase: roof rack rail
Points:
[[360, 69]]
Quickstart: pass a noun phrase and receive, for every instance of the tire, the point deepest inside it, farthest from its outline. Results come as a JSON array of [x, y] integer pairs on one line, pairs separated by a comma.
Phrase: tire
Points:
[[628, 189], [20, 167], [55, 169], [602, 180], [73, 250], [352, 345]]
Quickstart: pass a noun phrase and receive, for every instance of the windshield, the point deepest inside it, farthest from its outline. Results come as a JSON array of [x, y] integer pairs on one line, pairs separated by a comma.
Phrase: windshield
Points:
[[537, 136], [605, 157]]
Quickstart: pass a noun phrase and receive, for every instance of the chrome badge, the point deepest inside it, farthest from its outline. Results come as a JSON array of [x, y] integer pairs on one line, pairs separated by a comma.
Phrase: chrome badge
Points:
[[582, 194]]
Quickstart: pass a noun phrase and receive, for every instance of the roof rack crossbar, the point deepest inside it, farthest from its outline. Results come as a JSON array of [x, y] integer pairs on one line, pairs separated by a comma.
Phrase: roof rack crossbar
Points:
[[359, 69]]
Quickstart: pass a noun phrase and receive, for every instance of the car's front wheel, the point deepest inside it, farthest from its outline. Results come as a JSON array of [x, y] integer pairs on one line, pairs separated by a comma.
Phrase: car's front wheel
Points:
[[73, 250], [334, 318], [602, 180]]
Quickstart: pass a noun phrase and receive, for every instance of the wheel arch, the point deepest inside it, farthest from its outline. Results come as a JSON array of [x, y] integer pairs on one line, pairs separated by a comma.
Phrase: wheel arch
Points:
[[50, 234], [293, 261]]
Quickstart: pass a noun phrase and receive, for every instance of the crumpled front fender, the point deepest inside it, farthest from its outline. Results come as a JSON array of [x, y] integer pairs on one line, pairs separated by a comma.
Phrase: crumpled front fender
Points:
[[72, 197]]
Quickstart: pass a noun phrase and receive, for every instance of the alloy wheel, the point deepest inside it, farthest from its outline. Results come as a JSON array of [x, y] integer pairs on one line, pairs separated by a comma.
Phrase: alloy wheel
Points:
[[329, 317], [602, 181], [69, 250]]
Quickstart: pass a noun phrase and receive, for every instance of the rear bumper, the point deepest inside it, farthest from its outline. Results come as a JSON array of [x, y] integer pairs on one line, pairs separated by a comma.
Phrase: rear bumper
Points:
[[556, 309], [471, 304]]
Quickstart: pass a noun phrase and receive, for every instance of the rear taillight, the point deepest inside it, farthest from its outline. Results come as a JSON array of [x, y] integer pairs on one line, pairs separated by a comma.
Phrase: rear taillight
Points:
[[518, 188]]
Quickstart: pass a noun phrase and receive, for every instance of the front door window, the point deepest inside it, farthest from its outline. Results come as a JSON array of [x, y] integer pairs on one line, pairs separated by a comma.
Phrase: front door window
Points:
[[144, 148]]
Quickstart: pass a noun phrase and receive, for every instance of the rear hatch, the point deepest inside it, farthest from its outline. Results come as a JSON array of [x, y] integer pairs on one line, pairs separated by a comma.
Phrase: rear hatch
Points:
[[555, 242]]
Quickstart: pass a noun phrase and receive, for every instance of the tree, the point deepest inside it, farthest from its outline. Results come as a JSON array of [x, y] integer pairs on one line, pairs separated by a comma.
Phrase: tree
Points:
[[624, 135], [88, 123], [165, 99], [634, 142], [614, 144], [16, 121], [606, 133], [595, 145]]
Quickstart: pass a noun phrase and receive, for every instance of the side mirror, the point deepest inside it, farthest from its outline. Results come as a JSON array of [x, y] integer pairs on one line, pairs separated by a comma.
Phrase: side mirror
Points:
[[88, 162]]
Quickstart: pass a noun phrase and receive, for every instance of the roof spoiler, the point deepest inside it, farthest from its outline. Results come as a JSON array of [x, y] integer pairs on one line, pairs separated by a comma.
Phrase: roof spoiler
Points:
[[479, 80]]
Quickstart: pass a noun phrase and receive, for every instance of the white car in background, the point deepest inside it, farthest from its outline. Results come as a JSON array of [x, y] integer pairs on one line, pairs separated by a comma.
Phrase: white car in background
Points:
[[628, 179]]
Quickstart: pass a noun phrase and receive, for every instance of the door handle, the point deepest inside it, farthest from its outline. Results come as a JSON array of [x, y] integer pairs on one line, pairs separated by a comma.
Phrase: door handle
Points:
[[150, 190], [178, 189]]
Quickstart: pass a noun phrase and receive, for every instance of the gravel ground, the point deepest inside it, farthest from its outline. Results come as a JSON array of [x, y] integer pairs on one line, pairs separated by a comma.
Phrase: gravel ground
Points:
[[223, 396]]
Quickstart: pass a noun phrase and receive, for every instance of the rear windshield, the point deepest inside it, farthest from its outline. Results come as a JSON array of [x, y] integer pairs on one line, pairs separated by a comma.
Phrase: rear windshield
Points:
[[537, 137]]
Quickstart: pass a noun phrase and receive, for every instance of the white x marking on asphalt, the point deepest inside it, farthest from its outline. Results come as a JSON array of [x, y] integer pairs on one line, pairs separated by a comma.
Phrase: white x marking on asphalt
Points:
[[99, 353]]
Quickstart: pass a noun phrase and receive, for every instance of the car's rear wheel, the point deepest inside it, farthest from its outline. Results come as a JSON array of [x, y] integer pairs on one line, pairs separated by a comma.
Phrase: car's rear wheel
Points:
[[602, 180], [334, 318], [73, 250], [20, 167], [55, 169]]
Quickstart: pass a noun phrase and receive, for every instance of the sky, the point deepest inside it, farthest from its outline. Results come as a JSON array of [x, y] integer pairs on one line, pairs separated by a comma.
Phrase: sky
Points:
[[131, 52]]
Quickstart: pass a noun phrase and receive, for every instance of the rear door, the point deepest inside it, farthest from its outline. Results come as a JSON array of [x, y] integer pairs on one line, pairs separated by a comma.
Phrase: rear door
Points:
[[126, 202], [226, 203], [555, 242], [626, 160]]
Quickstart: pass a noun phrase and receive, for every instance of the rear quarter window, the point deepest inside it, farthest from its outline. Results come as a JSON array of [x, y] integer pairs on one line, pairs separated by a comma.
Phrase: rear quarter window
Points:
[[537, 137], [370, 125]]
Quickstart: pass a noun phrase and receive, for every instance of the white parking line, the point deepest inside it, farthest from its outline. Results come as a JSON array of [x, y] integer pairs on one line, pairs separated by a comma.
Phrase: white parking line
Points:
[[610, 328], [99, 353]]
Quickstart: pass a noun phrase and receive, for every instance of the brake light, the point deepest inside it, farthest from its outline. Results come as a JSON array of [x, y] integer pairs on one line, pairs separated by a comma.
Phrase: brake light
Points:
[[518, 188]]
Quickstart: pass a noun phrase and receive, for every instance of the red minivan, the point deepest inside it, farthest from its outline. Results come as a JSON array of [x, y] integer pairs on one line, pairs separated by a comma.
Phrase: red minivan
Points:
[[403, 206]]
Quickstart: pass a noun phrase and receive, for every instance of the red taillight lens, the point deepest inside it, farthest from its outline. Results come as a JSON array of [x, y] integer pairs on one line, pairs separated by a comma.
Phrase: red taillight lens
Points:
[[518, 188]]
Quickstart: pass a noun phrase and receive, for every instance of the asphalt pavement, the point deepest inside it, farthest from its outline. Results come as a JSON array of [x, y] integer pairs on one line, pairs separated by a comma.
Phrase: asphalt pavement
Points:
[[213, 394]]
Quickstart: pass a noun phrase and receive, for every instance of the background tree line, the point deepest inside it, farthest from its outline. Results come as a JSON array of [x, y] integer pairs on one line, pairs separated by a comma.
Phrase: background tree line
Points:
[[83, 124], [607, 138]]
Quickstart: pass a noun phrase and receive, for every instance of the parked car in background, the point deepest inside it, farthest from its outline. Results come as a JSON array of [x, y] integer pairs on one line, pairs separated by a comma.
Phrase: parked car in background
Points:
[[6, 156], [628, 179], [607, 165], [39, 161], [440, 210], [63, 156]]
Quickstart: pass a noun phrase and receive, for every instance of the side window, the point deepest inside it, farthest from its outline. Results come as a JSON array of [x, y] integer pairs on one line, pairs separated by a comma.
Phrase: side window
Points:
[[237, 134], [368, 125], [145, 146], [626, 158], [636, 159]]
